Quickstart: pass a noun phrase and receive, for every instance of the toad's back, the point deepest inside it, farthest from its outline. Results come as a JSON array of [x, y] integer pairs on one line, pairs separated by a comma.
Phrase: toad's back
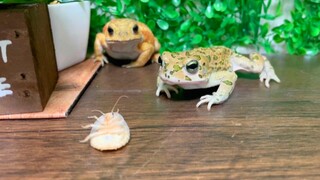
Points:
[[218, 57]]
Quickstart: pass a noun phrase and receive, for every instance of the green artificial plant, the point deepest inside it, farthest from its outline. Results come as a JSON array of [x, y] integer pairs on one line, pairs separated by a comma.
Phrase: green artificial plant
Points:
[[185, 24], [301, 34]]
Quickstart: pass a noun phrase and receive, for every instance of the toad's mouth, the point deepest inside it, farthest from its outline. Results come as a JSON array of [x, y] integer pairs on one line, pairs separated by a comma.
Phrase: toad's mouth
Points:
[[123, 45], [124, 41], [181, 82]]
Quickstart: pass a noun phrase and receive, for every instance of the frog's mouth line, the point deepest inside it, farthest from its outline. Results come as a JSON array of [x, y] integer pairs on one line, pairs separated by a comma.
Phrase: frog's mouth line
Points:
[[182, 82], [124, 42]]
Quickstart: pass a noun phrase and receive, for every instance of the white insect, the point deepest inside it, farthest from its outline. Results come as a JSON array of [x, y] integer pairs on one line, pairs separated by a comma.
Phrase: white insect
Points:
[[109, 132], [4, 88]]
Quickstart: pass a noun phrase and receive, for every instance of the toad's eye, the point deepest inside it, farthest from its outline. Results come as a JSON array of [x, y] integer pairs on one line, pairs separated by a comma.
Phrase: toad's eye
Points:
[[135, 29], [192, 66], [110, 31]]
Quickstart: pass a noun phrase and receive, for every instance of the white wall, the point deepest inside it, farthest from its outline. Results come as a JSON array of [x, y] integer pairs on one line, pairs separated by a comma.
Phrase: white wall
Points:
[[287, 7]]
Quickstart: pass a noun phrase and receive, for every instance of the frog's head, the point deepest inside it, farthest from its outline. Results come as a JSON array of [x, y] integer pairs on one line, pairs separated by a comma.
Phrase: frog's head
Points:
[[183, 68], [122, 33]]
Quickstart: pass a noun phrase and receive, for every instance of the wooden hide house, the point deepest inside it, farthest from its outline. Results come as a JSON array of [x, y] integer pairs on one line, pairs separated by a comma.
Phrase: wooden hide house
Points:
[[28, 71]]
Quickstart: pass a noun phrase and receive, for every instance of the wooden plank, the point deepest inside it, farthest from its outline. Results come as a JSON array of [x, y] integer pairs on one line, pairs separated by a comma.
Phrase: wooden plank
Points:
[[71, 84], [259, 133], [28, 60]]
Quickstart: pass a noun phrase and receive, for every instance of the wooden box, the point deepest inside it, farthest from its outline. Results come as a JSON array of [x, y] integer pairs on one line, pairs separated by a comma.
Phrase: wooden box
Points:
[[28, 71]]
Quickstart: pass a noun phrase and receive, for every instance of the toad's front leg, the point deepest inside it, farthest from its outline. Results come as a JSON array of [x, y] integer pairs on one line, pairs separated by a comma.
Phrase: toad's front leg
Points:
[[99, 45], [227, 82], [166, 88], [147, 50]]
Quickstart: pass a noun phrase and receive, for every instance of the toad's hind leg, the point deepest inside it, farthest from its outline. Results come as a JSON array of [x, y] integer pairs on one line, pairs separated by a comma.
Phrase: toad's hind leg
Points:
[[256, 63], [252, 64]]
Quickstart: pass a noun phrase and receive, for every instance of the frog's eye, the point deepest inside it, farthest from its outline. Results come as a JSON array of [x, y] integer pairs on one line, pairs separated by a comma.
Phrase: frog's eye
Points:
[[192, 66], [110, 31], [135, 29]]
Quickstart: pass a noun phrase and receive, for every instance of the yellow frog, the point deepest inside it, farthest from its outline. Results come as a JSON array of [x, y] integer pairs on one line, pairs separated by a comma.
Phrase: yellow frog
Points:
[[208, 67], [126, 39]]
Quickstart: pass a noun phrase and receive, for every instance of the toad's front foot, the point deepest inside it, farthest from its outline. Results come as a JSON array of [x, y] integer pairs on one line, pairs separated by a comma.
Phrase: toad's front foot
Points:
[[102, 59], [215, 98], [166, 88], [268, 74]]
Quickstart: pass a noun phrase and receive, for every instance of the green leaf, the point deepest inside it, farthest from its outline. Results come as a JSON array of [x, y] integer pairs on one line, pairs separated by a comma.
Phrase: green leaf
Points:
[[209, 11], [288, 26], [252, 13], [144, 1], [278, 9], [196, 16], [130, 10], [277, 39], [315, 31], [315, 1], [295, 39], [220, 32], [219, 6], [171, 13], [312, 51], [301, 50], [298, 5], [268, 16], [185, 25], [226, 21], [278, 30], [267, 47], [264, 29], [151, 24], [246, 40], [266, 6], [127, 2], [252, 26], [120, 6], [297, 30], [163, 24], [176, 3], [98, 2], [196, 39]]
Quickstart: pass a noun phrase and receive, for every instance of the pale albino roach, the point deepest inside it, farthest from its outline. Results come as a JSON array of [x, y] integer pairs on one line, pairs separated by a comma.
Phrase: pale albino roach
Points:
[[109, 132]]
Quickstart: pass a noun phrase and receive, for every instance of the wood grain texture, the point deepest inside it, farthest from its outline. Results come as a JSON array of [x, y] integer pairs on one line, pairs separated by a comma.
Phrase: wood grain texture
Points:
[[258, 133]]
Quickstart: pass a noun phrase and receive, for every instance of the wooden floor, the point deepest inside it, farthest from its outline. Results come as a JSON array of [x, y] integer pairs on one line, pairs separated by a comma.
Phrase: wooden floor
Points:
[[258, 133]]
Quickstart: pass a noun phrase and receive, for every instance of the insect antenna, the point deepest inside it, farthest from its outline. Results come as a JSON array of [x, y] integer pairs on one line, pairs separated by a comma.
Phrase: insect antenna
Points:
[[117, 103]]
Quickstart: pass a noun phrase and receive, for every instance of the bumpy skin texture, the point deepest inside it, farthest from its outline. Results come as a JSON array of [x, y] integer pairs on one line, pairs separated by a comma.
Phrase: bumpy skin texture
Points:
[[208, 67], [126, 39]]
